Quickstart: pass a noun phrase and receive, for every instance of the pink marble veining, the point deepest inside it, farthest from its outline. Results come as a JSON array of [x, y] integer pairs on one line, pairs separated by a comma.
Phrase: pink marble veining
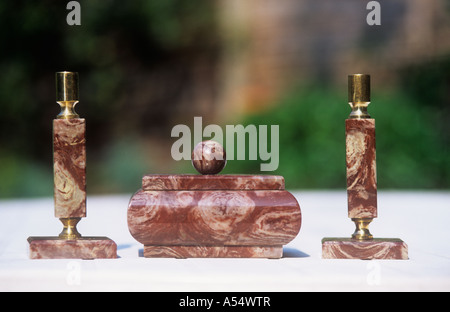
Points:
[[214, 218], [69, 167], [379, 248], [83, 248], [208, 157], [162, 182], [213, 251], [361, 168]]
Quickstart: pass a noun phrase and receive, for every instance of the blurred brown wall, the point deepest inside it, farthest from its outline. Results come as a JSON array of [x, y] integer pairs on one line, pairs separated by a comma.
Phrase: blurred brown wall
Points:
[[272, 45]]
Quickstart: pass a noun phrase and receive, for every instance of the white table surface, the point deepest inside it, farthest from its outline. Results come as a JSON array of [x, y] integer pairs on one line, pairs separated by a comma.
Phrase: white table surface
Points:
[[421, 219]]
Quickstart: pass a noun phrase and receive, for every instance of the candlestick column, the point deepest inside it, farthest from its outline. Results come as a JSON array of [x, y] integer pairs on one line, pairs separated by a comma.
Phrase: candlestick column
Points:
[[69, 157], [360, 157], [361, 184], [69, 172]]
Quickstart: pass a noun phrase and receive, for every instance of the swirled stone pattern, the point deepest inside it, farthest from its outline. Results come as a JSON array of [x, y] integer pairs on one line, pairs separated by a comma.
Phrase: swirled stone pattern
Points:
[[208, 157], [273, 252], [84, 248], [213, 223], [379, 248], [190, 182], [361, 168], [69, 167]]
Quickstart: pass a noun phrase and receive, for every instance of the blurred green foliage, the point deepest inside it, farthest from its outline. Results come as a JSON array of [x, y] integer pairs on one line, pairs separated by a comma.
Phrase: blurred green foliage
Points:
[[134, 59], [140, 58], [412, 153]]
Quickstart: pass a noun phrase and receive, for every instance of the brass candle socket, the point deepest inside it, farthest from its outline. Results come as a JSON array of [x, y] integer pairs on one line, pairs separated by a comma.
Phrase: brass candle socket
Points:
[[67, 94], [359, 95], [362, 229], [70, 231]]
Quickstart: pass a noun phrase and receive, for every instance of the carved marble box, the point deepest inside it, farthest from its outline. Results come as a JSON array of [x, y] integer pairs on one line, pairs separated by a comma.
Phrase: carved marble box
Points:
[[213, 216]]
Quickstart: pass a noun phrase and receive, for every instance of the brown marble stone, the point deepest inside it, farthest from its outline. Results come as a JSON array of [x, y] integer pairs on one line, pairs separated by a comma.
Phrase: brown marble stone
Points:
[[361, 168], [69, 167], [378, 248], [182, 252], [83, 248], [209, 157], [214, 218], [161, 182]]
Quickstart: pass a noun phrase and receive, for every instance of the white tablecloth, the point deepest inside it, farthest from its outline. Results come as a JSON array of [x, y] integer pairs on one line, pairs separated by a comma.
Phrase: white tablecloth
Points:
[[419, 218]]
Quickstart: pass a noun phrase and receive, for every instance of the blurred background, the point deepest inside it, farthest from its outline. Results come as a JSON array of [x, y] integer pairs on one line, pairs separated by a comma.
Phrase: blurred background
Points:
[[146, 66]]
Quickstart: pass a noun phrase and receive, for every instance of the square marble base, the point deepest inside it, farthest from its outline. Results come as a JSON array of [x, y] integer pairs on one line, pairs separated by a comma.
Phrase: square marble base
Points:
[[377, 248], [181, 252], [83, 248]]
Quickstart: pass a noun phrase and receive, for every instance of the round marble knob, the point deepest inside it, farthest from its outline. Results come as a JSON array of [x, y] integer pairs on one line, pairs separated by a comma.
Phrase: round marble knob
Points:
[[208, 157]]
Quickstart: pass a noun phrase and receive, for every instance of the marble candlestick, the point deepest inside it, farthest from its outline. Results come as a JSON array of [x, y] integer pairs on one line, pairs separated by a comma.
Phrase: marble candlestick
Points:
[[69, 169], [362, 185], [361, 168]]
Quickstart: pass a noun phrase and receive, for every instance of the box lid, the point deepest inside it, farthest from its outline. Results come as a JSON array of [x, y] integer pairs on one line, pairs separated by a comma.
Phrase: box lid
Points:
[[191, 182]]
